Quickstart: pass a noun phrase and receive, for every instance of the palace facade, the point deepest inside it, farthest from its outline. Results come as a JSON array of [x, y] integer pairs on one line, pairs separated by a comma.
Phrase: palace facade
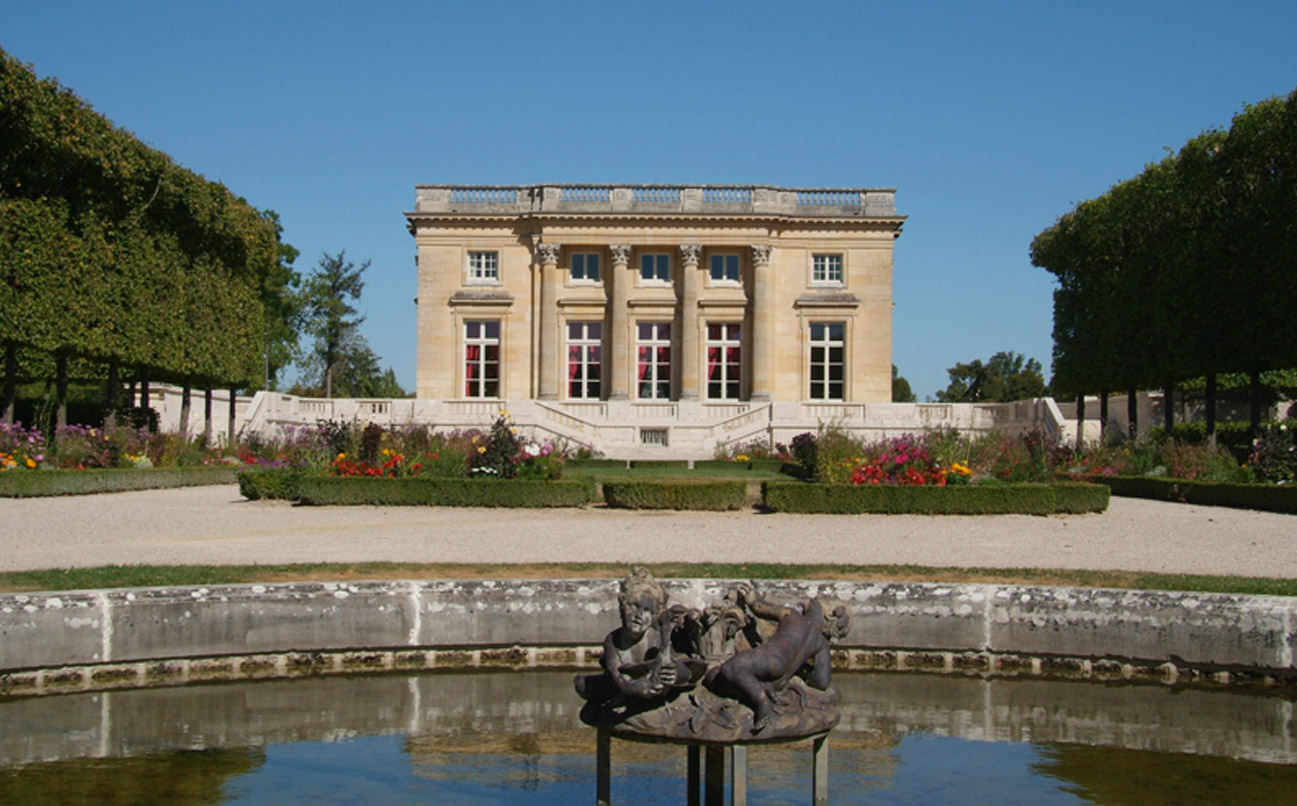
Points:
[[655, 315]]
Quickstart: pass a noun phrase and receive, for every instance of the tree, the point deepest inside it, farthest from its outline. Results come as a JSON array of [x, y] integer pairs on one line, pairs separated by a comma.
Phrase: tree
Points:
[[283, 303], [356, 372], [1006, 377], [901, 392], [330, 318]]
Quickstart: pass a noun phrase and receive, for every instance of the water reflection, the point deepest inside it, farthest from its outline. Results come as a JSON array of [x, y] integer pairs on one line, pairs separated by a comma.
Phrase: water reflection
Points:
[[516, 738]]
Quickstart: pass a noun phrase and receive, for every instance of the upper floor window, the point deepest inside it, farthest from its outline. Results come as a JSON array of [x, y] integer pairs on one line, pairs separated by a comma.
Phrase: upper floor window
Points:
[[585, 267], [484, 267], [826, 269], [655, 268], [828, 360], [725, 268]]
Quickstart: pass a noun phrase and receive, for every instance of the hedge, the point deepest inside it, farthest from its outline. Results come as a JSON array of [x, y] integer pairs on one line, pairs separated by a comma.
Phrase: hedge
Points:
[[36, 483], [1266, 497], [712, 495], [270, 484], [895, 499], [442, 492], [770, 465]]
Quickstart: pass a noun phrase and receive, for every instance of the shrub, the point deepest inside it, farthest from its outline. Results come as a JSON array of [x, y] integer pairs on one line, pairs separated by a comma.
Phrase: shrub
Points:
[[270, 483], [685, 495], [1267, 497], [332, 490], [836, 456], [86, 482], [1028, 499], [804, 451], [1274, 454]]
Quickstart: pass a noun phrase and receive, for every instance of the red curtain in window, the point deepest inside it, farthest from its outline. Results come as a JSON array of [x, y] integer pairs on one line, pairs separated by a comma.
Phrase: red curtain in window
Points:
[[644, 357], [713, 357], [573, 362]]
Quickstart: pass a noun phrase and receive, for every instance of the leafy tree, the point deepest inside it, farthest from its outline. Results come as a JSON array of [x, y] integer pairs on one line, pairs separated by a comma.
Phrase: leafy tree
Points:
[[356, 372], [901, 392], [1006, 377], [330, 317], [282, 301]]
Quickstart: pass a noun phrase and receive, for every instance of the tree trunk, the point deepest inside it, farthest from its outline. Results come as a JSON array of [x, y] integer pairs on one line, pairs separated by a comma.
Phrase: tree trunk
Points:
[[1080, 420], [130, 394], [1132, 413], [1211, 410], [1254, 392], [10, 382], [207, 416], [229, 439], [61, 389], [1168, 407], [144, 400], [185, 393], [1103, 412], [112, 393]]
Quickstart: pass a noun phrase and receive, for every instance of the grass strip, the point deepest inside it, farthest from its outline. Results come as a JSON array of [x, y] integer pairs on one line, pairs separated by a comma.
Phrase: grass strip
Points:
[[144, 576]]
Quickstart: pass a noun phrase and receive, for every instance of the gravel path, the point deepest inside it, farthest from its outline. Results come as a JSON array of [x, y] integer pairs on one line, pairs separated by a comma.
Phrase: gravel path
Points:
[[215, 525]]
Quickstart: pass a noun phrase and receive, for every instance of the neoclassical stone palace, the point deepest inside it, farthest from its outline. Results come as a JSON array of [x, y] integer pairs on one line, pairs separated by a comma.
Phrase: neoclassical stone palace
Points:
[[663, 308]]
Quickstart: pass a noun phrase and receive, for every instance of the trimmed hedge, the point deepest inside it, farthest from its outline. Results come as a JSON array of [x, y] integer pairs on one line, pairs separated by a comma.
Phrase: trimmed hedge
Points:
[[442, 492], [769, 465], [37, 483], [1266, 497], [710, 495], [896, 499], [675, 464], [270, 484]]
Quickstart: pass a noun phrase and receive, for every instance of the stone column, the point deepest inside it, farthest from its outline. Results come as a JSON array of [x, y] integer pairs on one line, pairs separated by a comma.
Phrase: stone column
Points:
[[547, 254], [688, 338], [619, 341], [762, 339]]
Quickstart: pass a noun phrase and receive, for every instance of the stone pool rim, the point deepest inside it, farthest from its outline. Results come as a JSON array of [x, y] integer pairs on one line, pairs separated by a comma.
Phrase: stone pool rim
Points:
[[130, 637]]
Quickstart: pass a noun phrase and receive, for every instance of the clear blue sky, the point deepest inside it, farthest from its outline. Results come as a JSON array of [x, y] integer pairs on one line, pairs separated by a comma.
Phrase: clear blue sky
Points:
[[990, 119]]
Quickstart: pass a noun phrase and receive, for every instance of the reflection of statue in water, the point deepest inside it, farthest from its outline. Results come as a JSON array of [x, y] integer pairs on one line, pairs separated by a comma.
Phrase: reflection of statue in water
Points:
[[639, 660], [799, 646], [753, 686]]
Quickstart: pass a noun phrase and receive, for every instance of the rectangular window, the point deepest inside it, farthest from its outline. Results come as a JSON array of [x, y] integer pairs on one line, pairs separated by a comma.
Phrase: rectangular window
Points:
[[482, 358], [828, 360], [655, 268], [484, 267], [724, 360], [653, 351], [585, 267], [725, 268], [584, 352], [826, 269]]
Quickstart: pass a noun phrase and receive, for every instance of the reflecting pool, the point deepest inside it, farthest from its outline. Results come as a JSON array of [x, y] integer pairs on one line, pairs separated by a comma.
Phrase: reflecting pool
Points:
[[515, 737]]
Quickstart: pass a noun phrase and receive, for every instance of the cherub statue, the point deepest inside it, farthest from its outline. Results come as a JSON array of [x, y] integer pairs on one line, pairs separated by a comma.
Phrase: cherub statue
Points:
[[639, 661], [800, 644]]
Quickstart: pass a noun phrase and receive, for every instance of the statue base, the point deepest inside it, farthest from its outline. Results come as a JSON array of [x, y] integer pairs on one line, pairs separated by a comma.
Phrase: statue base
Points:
[[698, 716]]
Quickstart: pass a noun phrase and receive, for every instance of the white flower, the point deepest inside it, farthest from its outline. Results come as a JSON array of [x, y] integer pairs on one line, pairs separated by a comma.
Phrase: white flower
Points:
[[532, 449]]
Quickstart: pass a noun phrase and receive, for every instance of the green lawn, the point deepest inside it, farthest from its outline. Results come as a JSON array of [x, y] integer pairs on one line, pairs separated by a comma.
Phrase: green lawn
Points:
[[124, 576]]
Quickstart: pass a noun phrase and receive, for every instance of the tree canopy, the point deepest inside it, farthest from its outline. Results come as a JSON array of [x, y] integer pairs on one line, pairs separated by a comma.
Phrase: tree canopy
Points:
[[1188, 270], [1004, 378], [113, 253]]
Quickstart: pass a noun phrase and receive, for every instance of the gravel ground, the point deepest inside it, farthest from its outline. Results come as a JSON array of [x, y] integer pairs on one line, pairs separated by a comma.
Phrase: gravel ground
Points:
[[215, 525]]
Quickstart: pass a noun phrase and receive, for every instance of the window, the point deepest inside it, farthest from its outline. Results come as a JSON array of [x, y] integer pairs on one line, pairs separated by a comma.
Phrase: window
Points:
[[585, 267], [483, 267], [654, 360], [482, 359], [725, 268], [584, 348], [826, 269], [655, 268], [828, 360], [724, 360]]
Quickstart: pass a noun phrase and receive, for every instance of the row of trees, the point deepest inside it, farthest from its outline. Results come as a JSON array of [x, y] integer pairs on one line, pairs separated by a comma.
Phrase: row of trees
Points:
[[118, 264], [1187, 271], [113, 255]]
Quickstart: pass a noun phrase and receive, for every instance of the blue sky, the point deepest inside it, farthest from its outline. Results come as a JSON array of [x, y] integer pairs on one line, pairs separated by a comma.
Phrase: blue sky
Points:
[[991, 119]]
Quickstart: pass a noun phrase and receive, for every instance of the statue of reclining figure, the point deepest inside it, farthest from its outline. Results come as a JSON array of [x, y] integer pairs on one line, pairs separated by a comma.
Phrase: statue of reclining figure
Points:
[[800, 643]]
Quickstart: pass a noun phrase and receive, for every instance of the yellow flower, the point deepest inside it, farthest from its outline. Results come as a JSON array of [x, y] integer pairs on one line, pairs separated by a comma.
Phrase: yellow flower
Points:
[[481, 449], [30, 462], [513, 431], [341, 456]]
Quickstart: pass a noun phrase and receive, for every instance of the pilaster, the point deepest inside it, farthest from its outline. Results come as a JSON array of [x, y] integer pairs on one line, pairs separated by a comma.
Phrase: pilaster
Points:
[[619, 327], [547, 256], [763, 324], [689, 256]]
